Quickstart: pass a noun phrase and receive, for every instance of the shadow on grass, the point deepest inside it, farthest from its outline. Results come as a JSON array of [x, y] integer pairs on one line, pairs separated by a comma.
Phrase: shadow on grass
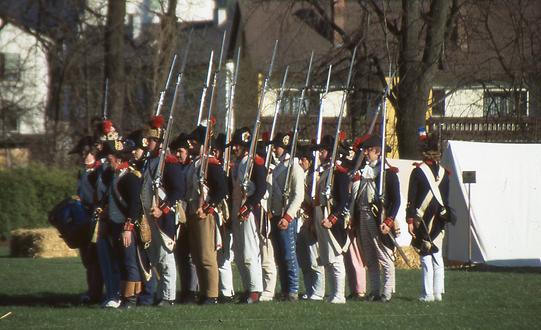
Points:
[[496, 269], [41, 299]]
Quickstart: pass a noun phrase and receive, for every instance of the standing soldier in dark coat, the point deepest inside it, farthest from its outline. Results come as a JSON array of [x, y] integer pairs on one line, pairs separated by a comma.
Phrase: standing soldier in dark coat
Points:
[[285, 214], [427, 213], [186, 268], [307, 245], [225, 253], [124, 210], [86, 192], [203, 200], [331, 223], [376, 249], [245, 212], [154, 136]]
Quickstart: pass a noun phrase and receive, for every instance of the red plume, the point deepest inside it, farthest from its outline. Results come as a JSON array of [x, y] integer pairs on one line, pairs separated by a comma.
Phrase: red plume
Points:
[[342, 136], [157, 121], [107, 126], [212, 120], [360, 140], [265, 136]]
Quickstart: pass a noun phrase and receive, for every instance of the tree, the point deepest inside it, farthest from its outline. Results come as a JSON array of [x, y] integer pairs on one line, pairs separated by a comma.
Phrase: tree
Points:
[[114, 59], [410, 38]]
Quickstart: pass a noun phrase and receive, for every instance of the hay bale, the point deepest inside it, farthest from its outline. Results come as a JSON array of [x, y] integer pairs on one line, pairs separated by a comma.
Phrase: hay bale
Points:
[[413, 257], [39, 243]]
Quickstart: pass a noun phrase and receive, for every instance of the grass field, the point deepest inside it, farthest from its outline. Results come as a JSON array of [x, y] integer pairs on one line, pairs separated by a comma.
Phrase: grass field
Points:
[[45, 293]]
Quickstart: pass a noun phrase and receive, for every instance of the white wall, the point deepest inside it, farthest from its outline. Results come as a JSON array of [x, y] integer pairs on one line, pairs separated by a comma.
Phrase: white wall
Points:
[[31, 92], [464, 103], [331, 105]]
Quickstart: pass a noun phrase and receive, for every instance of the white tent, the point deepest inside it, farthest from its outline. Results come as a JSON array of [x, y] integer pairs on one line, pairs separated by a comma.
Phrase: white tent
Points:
[[505, 202], [404, 170]]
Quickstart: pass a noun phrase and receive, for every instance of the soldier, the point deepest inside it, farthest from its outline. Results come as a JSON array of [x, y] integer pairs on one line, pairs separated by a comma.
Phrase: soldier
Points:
[[284, 214], [124, 207], [86, 192], [307, 246], [188, 274], [165, 217], [355, 268], [225, 253], [427, 213], [203, 200], [105, 132], [376, 248], [330, 222], [245, 212]]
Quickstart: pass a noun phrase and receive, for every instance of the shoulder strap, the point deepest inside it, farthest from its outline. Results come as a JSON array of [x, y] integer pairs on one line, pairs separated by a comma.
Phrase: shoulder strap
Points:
[[434, 187]]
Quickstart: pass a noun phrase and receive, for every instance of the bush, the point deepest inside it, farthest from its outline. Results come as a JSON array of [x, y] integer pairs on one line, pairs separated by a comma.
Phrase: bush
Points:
[[28, 194]]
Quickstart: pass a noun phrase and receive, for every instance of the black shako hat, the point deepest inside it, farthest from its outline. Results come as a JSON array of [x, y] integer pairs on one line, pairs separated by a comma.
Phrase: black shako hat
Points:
[[283, 140], [198, 134], [241, 137], [138, 138], [181, 141]]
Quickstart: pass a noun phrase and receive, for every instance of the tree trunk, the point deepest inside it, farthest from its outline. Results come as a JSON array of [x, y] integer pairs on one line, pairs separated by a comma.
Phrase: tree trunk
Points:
[[417, 70], [168, 45], [114, 60]]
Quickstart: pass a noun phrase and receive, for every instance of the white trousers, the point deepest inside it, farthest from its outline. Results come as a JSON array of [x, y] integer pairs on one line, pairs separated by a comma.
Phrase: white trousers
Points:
[[308, 255], [433, 274], [225, 259], [247, 253], [337, 275], [167, 268], [376, 254], [269, 269]]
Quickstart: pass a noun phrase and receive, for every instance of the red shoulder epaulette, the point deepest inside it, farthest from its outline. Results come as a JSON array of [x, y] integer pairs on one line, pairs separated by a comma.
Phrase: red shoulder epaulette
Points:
[[258, 160], [171, 159], [214, 161], [341, 169], [393, 169]]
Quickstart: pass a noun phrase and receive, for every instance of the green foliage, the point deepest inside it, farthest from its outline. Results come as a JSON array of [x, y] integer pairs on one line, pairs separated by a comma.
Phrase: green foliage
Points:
[[28, 194]]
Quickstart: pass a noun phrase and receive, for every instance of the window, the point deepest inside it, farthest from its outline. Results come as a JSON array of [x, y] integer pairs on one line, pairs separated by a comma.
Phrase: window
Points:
[[438, 102], [290, 102], [502, 103], [9, 121], [9, 66]]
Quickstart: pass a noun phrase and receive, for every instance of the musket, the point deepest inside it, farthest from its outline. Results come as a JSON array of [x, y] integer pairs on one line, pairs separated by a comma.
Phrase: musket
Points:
[[253, 143], [230, 115], [319, 133], [382, 172], [293, 151], [205, 87], [330, 177], [105, 97], [166, 138], [166, 87], [360, 159], [208, 132], [277, 107]]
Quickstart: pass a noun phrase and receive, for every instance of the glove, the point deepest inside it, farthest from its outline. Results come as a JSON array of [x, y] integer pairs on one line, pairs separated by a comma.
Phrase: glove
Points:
[[244, 212], [207, 208]]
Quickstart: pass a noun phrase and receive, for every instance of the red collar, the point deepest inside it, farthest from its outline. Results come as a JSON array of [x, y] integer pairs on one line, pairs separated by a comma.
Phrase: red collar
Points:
[[123, 166], [214, 161], [171, 159]]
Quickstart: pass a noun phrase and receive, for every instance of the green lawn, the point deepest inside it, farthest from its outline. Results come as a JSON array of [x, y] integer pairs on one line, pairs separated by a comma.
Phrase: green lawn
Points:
[[44, 294]]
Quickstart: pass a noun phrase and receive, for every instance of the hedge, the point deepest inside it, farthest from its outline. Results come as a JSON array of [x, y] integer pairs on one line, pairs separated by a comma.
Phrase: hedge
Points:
[[28, 194]]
